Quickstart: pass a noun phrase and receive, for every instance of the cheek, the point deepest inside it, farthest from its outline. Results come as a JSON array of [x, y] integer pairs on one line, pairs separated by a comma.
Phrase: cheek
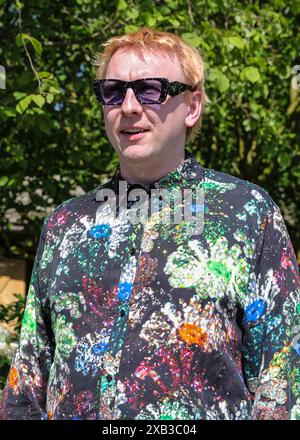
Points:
[[156, 115], [109, 120], [173, 110]]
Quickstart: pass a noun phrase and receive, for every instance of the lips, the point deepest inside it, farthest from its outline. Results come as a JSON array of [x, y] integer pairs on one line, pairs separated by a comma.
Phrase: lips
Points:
[[133, 130], [134, 136], [134, 133]]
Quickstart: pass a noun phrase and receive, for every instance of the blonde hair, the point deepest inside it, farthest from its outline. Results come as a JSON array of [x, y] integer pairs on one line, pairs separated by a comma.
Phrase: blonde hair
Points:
[[147, 38]]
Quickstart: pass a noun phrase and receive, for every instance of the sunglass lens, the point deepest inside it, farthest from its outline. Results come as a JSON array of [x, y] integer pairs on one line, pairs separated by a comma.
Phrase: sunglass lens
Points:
[[149, 91], [112, 92]]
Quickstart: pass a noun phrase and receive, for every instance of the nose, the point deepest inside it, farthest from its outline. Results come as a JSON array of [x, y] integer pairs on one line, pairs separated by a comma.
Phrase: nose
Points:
[[130, 104]]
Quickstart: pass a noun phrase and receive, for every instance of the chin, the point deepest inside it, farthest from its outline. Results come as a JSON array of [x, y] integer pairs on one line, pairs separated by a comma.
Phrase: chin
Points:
[[136, 152]]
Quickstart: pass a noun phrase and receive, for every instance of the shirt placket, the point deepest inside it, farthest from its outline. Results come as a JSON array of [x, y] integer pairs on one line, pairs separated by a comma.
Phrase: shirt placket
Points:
[[112, 358]]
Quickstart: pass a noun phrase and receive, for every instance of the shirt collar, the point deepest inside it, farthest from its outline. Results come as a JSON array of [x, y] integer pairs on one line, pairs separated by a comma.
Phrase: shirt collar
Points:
[[188, 170]]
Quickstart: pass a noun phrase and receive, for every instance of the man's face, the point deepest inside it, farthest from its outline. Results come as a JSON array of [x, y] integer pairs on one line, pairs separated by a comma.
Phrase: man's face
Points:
[[164, 124]]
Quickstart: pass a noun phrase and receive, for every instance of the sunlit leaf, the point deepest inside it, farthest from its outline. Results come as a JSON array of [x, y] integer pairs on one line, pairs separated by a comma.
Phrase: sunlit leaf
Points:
[[237, 42], [23, 104], [250, 73], [38, 99], [49, 98], [24, 38], [122, 5]]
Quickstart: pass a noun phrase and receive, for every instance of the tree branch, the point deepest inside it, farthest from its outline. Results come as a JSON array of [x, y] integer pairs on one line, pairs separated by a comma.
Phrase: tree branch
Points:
[[28, 54], [191, 13]]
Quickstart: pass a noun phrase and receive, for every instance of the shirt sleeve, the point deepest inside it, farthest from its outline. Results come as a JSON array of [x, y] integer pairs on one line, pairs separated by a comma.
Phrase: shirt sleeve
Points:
[[24, 395], [271, 342]]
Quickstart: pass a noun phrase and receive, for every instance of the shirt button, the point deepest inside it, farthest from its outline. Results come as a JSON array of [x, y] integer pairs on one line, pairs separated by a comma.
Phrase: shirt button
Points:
[[109, 378], [122, 313], [132, 251]]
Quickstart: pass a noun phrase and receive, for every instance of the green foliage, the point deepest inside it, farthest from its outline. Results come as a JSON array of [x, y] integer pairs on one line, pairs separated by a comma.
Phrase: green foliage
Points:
[[52, 136], [13, 312], [4, 370]]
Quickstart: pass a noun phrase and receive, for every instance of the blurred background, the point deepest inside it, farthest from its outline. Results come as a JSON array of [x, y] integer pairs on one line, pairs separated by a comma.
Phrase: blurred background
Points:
[[52, 140]]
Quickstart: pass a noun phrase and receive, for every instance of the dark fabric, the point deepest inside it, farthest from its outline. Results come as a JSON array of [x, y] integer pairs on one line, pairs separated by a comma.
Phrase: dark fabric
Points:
[[152, 321]]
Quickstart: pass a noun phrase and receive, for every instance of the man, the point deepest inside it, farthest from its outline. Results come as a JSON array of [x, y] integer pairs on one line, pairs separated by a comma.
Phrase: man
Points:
[[137, 317]]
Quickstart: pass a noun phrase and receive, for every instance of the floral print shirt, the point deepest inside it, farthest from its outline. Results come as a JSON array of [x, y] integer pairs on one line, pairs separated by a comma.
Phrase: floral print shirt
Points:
[[149, 321]]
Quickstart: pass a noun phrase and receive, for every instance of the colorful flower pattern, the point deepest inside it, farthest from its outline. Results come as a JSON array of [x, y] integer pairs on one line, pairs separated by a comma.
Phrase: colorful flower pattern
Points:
[[148, 321]]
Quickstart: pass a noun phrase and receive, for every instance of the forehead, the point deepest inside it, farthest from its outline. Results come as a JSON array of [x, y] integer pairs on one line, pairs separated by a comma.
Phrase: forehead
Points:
[[132, 63]]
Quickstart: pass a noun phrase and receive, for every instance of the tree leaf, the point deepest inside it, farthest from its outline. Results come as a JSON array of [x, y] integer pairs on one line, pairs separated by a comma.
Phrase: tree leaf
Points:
[[284, 159], [19, 95], [122, 5], [49, 98], [3, 180], [132, 14], [191, 38], [220, 79], [251, 73], [35, 43], [150, 20], [23, 104], [44, 74], [131, 28], [237, 42], [223, 81], [7, 111], [39, 100]]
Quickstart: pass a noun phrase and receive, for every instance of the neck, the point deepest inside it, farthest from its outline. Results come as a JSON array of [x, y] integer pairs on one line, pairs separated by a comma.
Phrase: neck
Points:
[[146, 171]]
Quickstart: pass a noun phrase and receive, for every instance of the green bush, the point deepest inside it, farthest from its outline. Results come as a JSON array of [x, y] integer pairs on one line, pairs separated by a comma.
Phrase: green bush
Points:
[[4, 370], [11, 313], [52, 137]]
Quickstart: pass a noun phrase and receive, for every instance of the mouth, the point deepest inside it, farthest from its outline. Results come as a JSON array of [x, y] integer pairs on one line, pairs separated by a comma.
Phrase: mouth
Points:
[[134, 134]]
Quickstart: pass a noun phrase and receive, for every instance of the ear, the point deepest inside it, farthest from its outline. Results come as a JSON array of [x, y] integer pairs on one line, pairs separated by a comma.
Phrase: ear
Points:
[[194, 109]]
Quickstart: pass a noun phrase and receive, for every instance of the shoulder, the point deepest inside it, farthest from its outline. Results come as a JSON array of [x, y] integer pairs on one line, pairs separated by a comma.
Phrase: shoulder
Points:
[[241, 193], [73, 211]]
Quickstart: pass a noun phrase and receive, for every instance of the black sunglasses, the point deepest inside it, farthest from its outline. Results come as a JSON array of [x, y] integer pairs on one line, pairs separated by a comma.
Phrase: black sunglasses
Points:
[[146, 90]]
